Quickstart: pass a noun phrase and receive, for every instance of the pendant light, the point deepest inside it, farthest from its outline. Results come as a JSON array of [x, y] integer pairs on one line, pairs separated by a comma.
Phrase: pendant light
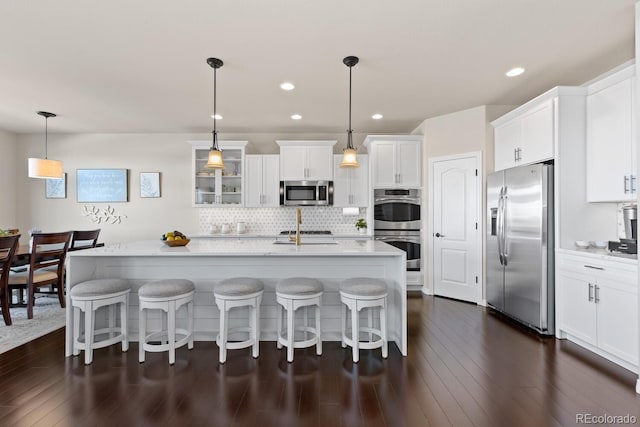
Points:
[[349, 159], [215, 154], [45, 168]]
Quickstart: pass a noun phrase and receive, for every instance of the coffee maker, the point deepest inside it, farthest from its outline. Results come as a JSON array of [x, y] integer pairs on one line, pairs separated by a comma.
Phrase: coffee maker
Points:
[[629, 244]]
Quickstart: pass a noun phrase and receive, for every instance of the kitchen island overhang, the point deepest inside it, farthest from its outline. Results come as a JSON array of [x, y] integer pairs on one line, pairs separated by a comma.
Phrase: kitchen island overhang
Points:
[[206, 262]]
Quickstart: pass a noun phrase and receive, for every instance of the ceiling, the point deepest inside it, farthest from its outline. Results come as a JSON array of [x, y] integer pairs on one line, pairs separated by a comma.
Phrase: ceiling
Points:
[[140, 66]]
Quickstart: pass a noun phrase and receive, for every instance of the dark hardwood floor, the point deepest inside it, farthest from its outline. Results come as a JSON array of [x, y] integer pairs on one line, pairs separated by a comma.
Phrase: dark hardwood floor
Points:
[[465, 367]]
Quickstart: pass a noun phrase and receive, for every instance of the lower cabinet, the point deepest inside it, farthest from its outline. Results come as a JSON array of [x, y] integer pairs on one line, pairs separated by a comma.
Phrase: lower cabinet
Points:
[[597, 305]]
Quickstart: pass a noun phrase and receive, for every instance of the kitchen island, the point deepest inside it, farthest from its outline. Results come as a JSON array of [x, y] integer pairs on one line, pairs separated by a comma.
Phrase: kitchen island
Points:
[[206, 262]]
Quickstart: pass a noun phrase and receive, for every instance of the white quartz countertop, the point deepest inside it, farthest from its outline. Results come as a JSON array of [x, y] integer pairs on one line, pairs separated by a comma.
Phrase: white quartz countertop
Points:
[[235, 235], [244, 247], [603, 254]]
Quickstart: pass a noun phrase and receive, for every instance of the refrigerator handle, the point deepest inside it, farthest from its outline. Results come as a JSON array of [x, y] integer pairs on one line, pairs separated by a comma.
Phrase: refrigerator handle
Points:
[[499, 228], [503, 230]]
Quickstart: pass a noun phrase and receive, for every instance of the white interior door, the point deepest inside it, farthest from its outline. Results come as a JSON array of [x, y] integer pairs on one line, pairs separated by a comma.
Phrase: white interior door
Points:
[[455, 227]]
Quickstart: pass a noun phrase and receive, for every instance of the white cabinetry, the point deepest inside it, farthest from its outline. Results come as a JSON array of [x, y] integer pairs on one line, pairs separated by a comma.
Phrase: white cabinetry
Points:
[[219, 187], [395, 160], [611, 148], [597, 305], [526, 137], [262, 180], [351, 185], [306, 160]]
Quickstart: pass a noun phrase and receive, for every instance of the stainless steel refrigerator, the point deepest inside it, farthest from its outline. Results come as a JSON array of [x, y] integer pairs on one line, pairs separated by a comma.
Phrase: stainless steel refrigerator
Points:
[[519, 248]]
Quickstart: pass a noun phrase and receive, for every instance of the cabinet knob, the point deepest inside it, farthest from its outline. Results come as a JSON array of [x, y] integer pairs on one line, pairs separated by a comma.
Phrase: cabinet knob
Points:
[[439, 235]]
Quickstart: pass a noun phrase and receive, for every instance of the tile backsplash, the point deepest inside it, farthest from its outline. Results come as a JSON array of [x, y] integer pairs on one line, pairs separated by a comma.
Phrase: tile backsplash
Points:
[[274, 220]]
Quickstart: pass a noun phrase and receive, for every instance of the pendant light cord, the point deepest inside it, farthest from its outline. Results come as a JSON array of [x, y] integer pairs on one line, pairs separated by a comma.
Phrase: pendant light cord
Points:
[[349, 132], [215, 133], [46, 133]]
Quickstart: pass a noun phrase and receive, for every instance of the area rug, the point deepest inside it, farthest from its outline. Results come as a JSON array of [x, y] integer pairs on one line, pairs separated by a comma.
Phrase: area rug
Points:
[[47, 317]]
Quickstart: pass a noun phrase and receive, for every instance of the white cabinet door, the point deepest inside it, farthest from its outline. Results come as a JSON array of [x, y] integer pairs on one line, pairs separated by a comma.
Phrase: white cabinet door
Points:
[[577, 311], [262, 180], [617, 321], [506, 140], [408, 164], [293, 163], [351, 185], [271, 180], [253, 178], [319, 163], [215, 186], [610, 146], [384, 167], [537, 134]]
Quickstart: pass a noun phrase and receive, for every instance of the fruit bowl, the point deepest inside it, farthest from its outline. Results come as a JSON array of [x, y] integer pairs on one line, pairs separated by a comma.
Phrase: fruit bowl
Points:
[[172, 243]]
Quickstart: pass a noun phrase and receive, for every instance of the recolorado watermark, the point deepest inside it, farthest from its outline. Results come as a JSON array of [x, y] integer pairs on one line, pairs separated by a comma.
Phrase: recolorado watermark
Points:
[[586, 418]]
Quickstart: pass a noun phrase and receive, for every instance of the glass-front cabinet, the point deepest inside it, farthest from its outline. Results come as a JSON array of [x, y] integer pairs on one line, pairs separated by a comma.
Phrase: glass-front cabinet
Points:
[[218, 187]]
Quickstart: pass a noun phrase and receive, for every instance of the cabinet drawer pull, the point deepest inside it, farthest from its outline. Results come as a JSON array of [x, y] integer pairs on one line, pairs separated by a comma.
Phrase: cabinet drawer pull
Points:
[[632, 180], [594, 267], [597, 293], [590, 292], [626, 187]]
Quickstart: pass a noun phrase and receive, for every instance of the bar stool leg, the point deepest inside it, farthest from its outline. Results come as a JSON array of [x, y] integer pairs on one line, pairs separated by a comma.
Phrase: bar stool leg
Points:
[[190, 324], [254, 329], [355, 332], [142, 331], [383, 329], [279, 327], [224, 316], [318, 331], [76, 330], [89, 321], [344, 324], [370, 321], [290, 331], [123, 324], [171, 331]]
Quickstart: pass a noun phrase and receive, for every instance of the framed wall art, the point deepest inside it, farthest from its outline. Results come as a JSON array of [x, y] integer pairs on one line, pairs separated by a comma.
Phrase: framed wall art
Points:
[[102, 185], [56, 188], [149, 184]]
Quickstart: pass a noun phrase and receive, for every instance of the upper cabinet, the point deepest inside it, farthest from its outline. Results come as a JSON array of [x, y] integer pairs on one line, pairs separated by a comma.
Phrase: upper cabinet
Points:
[[611, 148], [306, 160], [395, 160], [526, 137], [262, 180], [351, 185], [218, 187]]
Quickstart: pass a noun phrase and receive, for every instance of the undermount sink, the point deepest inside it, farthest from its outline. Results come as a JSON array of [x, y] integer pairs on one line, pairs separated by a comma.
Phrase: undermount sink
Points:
[[303, 243]]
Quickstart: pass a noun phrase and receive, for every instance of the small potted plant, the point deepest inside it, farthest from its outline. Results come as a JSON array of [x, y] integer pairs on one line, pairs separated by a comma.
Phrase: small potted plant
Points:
[[361, 225]]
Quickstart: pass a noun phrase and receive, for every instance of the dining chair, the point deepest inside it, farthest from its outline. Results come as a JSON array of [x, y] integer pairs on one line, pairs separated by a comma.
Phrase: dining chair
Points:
[[48, 250], [84, 239], [8, 247]]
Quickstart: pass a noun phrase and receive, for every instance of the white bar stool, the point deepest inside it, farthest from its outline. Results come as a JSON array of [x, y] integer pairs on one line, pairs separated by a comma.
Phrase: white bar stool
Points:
[[238, 292], [167, 295], [88, 297], [291, 294], [356, 294]]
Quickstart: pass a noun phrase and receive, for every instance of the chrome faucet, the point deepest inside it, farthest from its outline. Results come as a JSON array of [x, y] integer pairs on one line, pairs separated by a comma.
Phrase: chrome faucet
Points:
[[298, 222]]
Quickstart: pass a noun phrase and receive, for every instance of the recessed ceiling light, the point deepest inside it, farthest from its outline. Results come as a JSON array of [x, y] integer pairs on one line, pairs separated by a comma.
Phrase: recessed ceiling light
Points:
[[217, 117], [296, 117], [376, 116], [287, 86], [514, 72]]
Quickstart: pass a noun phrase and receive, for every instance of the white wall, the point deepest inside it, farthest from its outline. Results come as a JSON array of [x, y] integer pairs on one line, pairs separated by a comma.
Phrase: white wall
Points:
[[457, 133], [146, 218], [8, 160]]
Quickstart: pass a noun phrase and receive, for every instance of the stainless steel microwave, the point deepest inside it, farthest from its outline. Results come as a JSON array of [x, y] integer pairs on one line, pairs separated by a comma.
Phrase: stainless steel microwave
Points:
[[306, 193]]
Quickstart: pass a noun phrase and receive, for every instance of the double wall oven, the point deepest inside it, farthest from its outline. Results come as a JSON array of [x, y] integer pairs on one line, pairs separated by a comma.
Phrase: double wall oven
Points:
[[397, 221]]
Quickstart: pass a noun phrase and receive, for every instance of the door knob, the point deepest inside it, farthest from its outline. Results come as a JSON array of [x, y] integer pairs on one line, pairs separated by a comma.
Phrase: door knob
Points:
[[439, 235]]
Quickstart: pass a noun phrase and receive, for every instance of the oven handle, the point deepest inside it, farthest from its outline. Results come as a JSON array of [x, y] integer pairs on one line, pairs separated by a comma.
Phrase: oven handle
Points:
[[381, 200], [399, 239]]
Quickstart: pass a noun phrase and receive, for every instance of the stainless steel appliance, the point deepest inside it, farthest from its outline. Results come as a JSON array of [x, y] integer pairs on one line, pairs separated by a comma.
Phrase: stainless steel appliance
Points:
[[628, 244], [396, 214], [519, 248], [306, 193], [397, 209], [407, 240]]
